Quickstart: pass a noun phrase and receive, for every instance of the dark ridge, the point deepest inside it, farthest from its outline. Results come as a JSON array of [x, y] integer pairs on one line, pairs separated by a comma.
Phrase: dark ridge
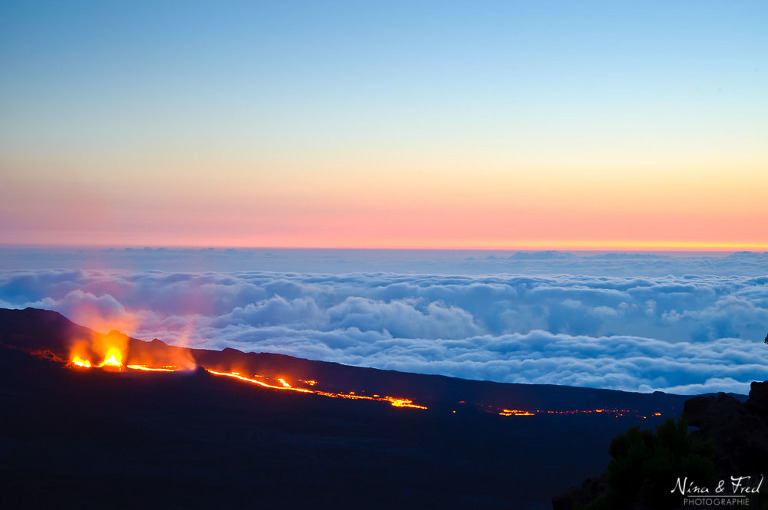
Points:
[[94, 439], [51, 331], [33, 329]]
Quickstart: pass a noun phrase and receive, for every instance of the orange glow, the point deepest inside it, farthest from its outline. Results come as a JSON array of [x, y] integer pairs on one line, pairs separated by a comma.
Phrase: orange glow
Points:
[[283, 385], [80, 353], [113, 359], [171, 359], [515, 412], [110, 351], [102, 351], [445, 200], [79, 362], [148, 369], [237, 375], [402, 402]]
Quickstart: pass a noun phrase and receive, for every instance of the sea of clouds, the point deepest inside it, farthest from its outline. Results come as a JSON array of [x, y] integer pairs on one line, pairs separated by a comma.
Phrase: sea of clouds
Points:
[[638, 322]]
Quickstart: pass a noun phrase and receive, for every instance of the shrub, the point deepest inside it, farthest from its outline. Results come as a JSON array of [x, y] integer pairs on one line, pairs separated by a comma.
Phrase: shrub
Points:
[[645, 466]]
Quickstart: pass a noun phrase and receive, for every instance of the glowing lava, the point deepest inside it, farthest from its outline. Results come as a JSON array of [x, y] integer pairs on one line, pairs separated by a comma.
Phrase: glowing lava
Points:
[[515, 412], [400, 402], [283, 386], [393, 401], [111, 349], [618, 413], [79, 362], [112, 359], [145, 368]]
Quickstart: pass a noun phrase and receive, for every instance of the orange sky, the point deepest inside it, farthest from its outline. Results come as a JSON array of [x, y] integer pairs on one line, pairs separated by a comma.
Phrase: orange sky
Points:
[[548, 210], [507, 125]]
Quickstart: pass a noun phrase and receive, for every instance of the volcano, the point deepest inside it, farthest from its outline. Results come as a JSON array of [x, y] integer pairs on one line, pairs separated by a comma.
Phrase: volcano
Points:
[[159, 426]]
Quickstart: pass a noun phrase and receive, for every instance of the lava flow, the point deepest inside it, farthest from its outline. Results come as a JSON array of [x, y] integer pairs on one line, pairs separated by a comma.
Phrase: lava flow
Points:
[[79, 362], [113, 359], [395, 402], [618, 413], [109, 349], [515, 412], [167, 368], [113, 353], [110, 352]]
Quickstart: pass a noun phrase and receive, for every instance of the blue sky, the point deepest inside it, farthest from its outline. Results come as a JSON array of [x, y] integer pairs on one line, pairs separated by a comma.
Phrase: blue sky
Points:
[[575, 61], [147, 113]]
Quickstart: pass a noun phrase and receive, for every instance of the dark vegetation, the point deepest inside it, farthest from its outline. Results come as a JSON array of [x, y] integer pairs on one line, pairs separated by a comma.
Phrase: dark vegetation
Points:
[[726, 439], [645, 464]]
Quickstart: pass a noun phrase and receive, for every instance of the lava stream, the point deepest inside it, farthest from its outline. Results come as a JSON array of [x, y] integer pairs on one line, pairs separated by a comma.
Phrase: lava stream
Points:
[[395, 402], [148, 369]]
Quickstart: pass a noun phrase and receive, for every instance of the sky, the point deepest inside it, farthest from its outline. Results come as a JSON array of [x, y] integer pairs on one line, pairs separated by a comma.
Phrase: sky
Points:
[[385, 124]]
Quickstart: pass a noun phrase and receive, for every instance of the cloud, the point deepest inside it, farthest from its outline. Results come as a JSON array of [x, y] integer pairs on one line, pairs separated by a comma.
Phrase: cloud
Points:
[[300, 313], [684, 333], [402, 318], [447, 262]]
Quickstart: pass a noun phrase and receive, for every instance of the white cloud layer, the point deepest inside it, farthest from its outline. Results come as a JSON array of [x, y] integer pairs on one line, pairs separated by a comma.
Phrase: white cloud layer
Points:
[[685, 333]]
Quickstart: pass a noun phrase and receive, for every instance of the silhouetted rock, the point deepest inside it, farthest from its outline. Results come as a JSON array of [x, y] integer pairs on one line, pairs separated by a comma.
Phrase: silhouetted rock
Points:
[[589, 491], [738, 431], [758, 398], [201, 372]]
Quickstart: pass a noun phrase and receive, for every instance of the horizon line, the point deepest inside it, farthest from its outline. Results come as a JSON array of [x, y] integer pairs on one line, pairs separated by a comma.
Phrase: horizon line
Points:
[[612, 246]]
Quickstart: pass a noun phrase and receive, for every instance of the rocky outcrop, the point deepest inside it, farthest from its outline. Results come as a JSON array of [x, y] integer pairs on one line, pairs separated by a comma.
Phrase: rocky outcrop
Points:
[[590, 490], [738, 431]]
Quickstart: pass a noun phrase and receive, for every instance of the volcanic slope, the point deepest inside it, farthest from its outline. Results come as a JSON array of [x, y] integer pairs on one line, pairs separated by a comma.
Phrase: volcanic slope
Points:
[[96, 438]]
